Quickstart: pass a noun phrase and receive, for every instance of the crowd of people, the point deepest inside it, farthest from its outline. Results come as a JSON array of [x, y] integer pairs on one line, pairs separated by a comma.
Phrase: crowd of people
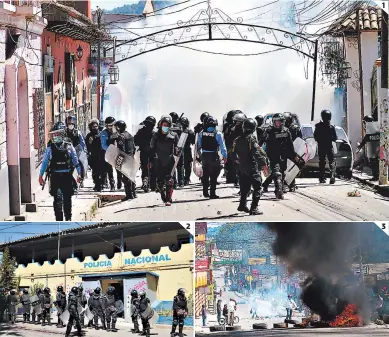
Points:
[[72, 309], [246, 147]]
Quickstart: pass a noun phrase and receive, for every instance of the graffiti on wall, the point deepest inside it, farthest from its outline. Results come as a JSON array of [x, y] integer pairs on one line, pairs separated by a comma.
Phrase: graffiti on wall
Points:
[[164, 310], [384, 137]]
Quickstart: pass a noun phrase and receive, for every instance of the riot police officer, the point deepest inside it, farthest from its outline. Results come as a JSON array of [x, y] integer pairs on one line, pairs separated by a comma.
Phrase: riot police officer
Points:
[[180, 311], [82, 301], [200, 126], [95, 154], [260, 130], [176, 127], [25, 300], [209, 142], [107, 136], [125, 143], [227, 133], [188, 158], [142, 139], [111, 312], [372, 139], [60, 304], [135, 303], [252, 159], [279, 147], [60, 159], [144, 304], [34, 314], [46, 306], [96, 305], [73, 312], [12, 302], [163, 148], [228, 124], [325, 134]]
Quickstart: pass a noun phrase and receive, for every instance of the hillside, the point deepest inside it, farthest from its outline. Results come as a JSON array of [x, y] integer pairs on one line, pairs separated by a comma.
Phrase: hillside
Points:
[[137, 8]]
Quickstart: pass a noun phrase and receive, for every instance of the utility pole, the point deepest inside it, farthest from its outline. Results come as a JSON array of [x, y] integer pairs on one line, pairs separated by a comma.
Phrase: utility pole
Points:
[[383, 100], [360, 68], [99, 14]]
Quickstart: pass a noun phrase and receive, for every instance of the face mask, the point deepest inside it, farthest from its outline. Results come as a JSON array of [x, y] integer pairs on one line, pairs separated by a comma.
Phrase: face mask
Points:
[[70, 126], [95, 131], [165, 129], [58, 140], [211, 128]]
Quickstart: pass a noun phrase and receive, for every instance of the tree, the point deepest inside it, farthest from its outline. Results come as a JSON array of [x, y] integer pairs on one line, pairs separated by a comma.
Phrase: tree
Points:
[[8, 279], [36, 286]]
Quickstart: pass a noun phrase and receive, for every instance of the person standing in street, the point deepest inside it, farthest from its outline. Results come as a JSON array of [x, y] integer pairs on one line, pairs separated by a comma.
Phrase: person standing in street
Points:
[[95, 155], [204, 315], [61, 305], [12, 302], [219, 310], [107, 136], [142, 139], [252, 160], [178, 176], [188, 157], [135, 303], [180, 312], [163, 147], [82, 301], [200, 126], [231, 311], [46, 307], [144, 305], [325, 134], [73, 312], [290, 306], [59, 161], [34, 315], [209, 142], [25, 300], [111, 312], [96, 306]]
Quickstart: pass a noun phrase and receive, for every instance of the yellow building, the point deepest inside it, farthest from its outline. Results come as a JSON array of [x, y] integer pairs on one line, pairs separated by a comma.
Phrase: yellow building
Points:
[[154, 257]]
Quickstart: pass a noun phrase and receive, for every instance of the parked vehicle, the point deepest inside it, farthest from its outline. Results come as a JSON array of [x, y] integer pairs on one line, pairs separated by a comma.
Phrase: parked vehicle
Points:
[[223, 321], [344, 157]]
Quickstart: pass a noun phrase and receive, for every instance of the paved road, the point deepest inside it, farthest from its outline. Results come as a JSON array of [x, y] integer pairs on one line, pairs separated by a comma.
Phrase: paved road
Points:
[[312, 201], [351, 332]]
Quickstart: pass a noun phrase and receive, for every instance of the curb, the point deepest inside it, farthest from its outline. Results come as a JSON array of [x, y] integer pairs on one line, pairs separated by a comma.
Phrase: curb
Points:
[[383, 190]]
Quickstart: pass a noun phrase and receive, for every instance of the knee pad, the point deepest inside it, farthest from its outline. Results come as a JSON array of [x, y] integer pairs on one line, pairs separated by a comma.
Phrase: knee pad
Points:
[[175, 322]]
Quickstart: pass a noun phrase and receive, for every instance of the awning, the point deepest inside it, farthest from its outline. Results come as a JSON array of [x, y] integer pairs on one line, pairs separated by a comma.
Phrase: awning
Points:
[[116, 275]]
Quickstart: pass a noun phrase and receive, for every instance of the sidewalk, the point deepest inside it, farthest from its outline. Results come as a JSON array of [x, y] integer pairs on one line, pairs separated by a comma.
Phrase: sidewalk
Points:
[[365, 177]]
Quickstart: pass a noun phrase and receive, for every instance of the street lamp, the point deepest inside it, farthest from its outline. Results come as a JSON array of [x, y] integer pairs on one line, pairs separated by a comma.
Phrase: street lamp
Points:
[[80, 52]]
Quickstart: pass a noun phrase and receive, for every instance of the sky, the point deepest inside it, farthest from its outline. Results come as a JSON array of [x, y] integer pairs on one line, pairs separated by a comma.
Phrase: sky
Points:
[[12, 231], [110, 4]]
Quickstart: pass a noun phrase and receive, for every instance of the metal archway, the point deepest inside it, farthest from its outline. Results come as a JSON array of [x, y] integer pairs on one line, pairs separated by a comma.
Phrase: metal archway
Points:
[[203, 27]]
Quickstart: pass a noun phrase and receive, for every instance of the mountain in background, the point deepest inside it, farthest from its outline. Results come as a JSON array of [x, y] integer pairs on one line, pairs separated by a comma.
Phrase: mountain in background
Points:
[[137, 8]]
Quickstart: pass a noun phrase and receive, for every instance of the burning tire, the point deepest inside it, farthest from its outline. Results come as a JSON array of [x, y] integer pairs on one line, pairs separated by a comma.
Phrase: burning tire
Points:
[[385, 318], [233, 328], [216, 328], [319, 324], [257, 326], [280, 325], [290, 321]]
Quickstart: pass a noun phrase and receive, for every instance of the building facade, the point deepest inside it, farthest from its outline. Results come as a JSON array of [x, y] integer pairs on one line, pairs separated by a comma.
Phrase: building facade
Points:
[[202, 277], [154, 257]]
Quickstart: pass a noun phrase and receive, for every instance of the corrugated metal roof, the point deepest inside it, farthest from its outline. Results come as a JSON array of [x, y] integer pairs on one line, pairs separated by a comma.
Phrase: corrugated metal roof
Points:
[[370, 19]]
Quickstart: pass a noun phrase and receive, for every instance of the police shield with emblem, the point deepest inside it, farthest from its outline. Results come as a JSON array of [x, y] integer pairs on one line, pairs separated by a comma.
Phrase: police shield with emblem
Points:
[[148, 313], [122, 162], [180, 146], [373, 139], [302, 151]]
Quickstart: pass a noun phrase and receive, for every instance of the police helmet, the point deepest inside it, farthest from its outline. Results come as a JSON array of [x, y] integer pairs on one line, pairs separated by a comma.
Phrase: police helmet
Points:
[[25, 291], [288, 119], [142, 294], [109, 120], [38, 291], [181, 292], [278, 120], [230, 116], [259, 119], [368, 119], [46, 290], [121, 126], [80, 287], [239, 118], [74, 290], [58, 126], [249, 125], [134, 293], [110, 290], [211, 121], [97, 291], [13, 292], [174, 117], [165, 119], [71, 120], [150, 120], [203, 116], [185, 122], [60, 289], [326, 115]]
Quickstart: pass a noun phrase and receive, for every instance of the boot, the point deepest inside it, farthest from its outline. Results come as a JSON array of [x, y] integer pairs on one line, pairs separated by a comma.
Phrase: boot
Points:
[[108, 326], [213, 193], [332, 179], [113, 327], [134, 191], [243, 206], [129, 195], [169, 195], [112, 187], [280, 195], [205, 192], [104, 326], [254, 210], [180, 329], [322, 180]]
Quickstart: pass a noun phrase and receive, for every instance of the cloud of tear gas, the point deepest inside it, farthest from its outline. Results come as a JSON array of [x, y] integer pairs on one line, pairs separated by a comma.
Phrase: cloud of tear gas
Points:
[[325, 251], [183, 80]]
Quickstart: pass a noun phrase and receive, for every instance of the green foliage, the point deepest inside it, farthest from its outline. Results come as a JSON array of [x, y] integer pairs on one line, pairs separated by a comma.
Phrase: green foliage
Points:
[[7, 271], [35, 287]]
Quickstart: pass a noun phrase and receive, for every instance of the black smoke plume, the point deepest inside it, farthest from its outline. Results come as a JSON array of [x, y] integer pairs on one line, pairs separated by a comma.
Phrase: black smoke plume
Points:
[[325, 251]]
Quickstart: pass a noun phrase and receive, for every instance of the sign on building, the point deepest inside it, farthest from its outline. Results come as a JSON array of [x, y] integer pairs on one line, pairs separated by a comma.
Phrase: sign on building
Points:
[[259, 260], [202, 264], [201, 228]]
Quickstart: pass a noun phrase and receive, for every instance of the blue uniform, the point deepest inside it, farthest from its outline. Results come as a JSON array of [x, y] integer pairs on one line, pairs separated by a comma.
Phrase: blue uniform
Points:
[[48, 156], [219, 140], [105, 139]]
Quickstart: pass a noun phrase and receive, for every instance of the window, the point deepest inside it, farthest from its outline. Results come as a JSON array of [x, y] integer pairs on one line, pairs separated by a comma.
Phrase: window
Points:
[[340, 133], [69, 75], [307, 132]]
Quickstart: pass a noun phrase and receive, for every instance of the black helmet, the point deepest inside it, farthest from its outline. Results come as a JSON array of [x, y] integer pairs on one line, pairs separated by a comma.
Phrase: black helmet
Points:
[[74, 290], [38, 291], [230, 116], [58, 126], [60, 289], [97, 291], [259, 120], [46, 290], [25, 291], [142, 294], [13, 292], [150, 120], [368, 119], [134, 293], [278, 117], [174, 117], [165, 119], [203, 116], [110, 290], [185, 122], [239, 118], [181, 292], [121, 126], [71, 120], [326, 115], [249, 125], [80, 287], [211, 121], [109, 120], [288, 119]]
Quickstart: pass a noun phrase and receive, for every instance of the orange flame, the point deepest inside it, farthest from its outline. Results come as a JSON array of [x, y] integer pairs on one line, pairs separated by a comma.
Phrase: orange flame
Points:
[[348, 318]]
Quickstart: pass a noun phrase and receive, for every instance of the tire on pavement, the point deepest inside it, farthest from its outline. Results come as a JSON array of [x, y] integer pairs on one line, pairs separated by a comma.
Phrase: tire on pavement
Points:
[[233, 328], [385, 318], [257, 326], [216, 328], [280, 325]]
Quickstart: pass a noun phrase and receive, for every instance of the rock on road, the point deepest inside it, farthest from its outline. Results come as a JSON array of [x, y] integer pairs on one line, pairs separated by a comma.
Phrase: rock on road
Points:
[[311, 202]]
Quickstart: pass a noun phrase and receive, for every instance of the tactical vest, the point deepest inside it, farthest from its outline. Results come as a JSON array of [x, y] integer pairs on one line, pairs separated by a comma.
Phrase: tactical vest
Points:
[[209, 142], [25, 299], [72, 301], [96, 301], [61, 158], [73, 136], [181, 302], [111, 300], [125, 142], [144, 303], [61, 299]]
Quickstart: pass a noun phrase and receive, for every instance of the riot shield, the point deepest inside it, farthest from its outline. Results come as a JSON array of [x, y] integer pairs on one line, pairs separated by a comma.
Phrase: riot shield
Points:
[[132, 310], [65, 317], [373, 139], [180, 145], [197, 167], [38, 309], [59, 310], [119, 306], [80, 309], [83, 159], [148, 313], [122, 162], [88, 313], [312, 148], [34, 300], [301, 150]]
